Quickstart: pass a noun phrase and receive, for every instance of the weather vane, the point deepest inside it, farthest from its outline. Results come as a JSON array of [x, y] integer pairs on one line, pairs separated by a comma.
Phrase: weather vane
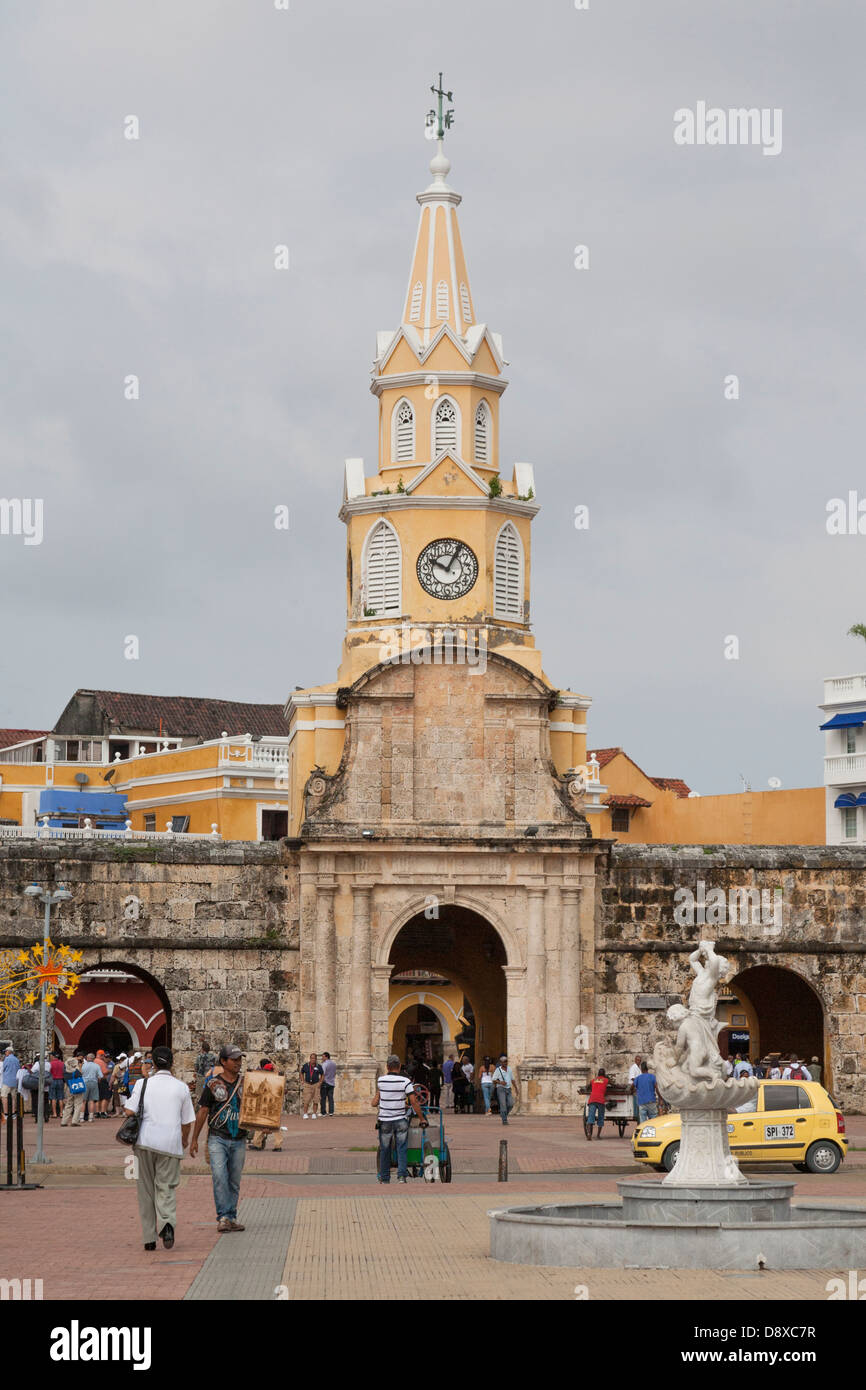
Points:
[[438, 122]]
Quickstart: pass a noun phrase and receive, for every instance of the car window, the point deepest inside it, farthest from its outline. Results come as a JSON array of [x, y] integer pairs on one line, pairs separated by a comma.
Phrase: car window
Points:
[[783, 1097], [804, 1099]]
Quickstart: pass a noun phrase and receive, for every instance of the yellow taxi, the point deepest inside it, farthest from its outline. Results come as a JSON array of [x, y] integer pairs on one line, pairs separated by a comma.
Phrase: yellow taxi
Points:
[[793, 1122]]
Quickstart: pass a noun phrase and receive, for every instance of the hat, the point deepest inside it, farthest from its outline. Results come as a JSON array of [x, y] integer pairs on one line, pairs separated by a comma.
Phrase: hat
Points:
[[229, 1051], [135, 1055], [121, 1057]]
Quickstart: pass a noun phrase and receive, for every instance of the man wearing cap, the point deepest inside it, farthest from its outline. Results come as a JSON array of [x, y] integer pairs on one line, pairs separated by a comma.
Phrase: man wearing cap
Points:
[[166, 1120], [220, 1105]]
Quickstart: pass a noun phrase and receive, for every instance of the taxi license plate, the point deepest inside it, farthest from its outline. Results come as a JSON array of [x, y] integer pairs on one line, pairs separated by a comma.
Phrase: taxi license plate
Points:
[[778, 1131]]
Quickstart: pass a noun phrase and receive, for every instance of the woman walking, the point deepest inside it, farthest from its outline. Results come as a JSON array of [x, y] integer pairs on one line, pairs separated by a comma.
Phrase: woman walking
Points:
[[485, 1076]]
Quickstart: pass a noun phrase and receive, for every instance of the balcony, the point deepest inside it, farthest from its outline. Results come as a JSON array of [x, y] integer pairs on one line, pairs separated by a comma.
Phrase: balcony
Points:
[[845, 768], [844, 689], [268, 755]]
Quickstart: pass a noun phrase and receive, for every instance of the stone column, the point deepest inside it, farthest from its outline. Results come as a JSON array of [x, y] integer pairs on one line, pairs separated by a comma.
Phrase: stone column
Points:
[[360, 1016], [381, 974], [536, 978], [326, 970], [569, 972]]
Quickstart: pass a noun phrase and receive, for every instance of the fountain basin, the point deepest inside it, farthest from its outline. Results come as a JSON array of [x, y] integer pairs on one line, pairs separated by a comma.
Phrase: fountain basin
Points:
[[658, 1227]]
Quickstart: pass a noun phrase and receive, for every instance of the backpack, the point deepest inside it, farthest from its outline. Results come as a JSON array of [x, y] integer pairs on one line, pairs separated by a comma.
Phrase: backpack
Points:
[[796, 1074]]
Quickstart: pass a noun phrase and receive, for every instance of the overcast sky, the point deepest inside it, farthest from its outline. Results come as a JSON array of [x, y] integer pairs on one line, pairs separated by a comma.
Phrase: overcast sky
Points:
[[259, 127]]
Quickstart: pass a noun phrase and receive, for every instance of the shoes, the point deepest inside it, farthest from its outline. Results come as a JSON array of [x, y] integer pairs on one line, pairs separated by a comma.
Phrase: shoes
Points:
[[151, 1245], [314, 1117], [234, 1226], [306, 1117], [90, 1119], [401, 1180], [166, 1235]]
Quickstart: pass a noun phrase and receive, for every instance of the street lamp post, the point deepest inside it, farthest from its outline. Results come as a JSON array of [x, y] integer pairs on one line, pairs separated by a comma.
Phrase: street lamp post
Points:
[[49, 898]]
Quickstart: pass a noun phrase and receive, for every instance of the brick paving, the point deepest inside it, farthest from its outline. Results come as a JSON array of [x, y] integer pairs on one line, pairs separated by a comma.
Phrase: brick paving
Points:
[[318, 1222]]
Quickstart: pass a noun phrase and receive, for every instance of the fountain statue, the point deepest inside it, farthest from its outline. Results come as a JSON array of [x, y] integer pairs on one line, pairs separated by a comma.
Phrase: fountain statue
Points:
[[690, 1075]]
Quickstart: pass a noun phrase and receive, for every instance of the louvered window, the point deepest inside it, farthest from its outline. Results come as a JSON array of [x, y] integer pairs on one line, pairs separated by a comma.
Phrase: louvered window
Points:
[[445, 427], [415, 307], [482, 434], [508, 576], [403, 444], [442, 300], [382, 572], [464, 300]]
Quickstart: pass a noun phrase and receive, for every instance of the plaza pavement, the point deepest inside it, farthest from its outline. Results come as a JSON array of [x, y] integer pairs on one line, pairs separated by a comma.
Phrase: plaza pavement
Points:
[[319, 1225]]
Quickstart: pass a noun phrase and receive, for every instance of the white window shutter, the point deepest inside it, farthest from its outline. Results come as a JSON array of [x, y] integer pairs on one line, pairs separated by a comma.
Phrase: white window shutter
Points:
[[415, 306], [508, 576], [403, 450], [445, 426], [464, 300], [482, 434], [382, 571], [442, 300]]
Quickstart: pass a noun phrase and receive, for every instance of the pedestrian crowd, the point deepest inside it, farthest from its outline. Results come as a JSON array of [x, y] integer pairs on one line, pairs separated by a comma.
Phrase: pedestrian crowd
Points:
[[79, 1089]]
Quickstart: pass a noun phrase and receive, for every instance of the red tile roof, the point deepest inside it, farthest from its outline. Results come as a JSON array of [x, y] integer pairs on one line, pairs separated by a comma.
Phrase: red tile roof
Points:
[[604, 755], [672, 784], [8, 737], [187, 715], [625, 801]]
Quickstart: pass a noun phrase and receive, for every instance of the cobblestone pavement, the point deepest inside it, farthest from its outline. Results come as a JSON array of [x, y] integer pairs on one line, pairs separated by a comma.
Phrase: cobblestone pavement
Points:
[[318, 1222]]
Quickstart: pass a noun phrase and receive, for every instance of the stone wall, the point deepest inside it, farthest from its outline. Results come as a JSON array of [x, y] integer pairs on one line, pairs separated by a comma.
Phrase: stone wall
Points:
[[215, 925], [818, 932]]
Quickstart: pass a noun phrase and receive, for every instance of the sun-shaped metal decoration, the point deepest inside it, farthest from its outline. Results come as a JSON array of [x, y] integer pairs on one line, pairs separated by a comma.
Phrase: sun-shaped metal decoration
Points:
[[44, 969]]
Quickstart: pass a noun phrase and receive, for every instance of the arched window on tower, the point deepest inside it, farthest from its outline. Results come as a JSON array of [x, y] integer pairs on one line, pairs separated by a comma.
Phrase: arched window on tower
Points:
[[442, 299], [382, 571], [445, 423], [508, 575], [402, 433], [464, 300], [482, 433], [415, 306]]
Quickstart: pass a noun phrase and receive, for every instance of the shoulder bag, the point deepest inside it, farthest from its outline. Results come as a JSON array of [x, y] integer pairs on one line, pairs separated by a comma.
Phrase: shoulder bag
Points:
[[128, 1132]]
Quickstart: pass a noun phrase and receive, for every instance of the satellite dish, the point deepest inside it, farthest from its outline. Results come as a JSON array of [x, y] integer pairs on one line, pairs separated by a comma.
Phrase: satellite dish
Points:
[[694, 794], [82, 779], [774, 782]]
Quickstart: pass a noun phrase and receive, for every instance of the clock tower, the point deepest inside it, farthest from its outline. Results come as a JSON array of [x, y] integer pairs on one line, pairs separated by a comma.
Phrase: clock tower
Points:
[[438, 537]]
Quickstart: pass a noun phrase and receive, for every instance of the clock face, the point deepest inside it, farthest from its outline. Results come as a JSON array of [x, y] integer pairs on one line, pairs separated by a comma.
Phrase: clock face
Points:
[[447, 569]]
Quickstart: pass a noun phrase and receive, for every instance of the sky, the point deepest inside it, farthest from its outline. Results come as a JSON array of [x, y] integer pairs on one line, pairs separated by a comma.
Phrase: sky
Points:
[[303, 127]]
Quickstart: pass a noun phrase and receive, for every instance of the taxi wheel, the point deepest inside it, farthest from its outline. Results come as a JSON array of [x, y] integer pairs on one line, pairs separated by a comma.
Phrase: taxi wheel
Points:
[[801, 1167], [659, 1168], [669, 1157], [822, 1157]]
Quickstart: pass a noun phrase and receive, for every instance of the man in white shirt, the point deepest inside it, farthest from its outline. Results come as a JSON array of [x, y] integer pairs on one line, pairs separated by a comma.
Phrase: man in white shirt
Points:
[[728, 1066], [775, 1073], [167, 1118], [633, 1072]]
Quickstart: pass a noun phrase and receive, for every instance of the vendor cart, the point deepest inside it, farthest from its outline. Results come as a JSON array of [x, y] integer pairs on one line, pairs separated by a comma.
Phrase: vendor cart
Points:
[[618, 1110], [428, 1155]]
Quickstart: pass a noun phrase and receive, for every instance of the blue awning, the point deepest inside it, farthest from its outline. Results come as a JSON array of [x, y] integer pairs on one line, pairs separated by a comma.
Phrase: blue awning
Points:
[[846, 721], [70, 803], [849, 799]]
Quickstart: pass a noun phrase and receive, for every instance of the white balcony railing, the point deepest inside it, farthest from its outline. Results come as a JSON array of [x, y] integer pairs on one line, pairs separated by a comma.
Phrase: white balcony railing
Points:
[[848, 767], [44, 831], [844, 688], [269, 755]]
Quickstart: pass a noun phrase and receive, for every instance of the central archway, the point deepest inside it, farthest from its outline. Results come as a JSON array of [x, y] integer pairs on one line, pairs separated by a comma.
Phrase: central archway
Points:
[[782, 1014], [451, 961]]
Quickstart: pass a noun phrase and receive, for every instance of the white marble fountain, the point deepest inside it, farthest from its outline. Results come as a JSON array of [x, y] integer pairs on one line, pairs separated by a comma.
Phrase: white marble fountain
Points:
[[705, 1214]]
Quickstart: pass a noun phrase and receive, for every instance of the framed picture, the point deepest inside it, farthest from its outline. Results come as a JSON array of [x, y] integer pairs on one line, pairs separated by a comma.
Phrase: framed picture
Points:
[[262, 1100]]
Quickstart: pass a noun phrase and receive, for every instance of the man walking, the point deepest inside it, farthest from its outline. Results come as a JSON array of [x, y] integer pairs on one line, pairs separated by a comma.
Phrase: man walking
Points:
[[646, 1094], [92, 1076], [447, 1089], [167, 1117], [503, 1083], [76, 1090], [220, 1105], [204, 1062], [326, 1090], [9, 1086], [392, 1092], [311, 1080]]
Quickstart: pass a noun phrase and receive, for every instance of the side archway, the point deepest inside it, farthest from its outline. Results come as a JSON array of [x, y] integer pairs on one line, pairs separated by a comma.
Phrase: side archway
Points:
[[784, 1015]]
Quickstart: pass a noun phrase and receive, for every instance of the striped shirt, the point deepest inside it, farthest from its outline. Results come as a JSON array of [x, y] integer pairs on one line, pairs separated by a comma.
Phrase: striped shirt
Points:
[[393, 1090]]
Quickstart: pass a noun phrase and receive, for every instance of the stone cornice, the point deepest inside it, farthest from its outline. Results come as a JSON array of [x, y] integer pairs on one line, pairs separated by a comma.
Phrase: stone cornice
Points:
[[399, 381], [399, 501]]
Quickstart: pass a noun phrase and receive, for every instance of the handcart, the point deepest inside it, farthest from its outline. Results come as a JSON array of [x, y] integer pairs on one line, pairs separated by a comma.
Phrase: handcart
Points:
[[428, 1155], [618, 1109]]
